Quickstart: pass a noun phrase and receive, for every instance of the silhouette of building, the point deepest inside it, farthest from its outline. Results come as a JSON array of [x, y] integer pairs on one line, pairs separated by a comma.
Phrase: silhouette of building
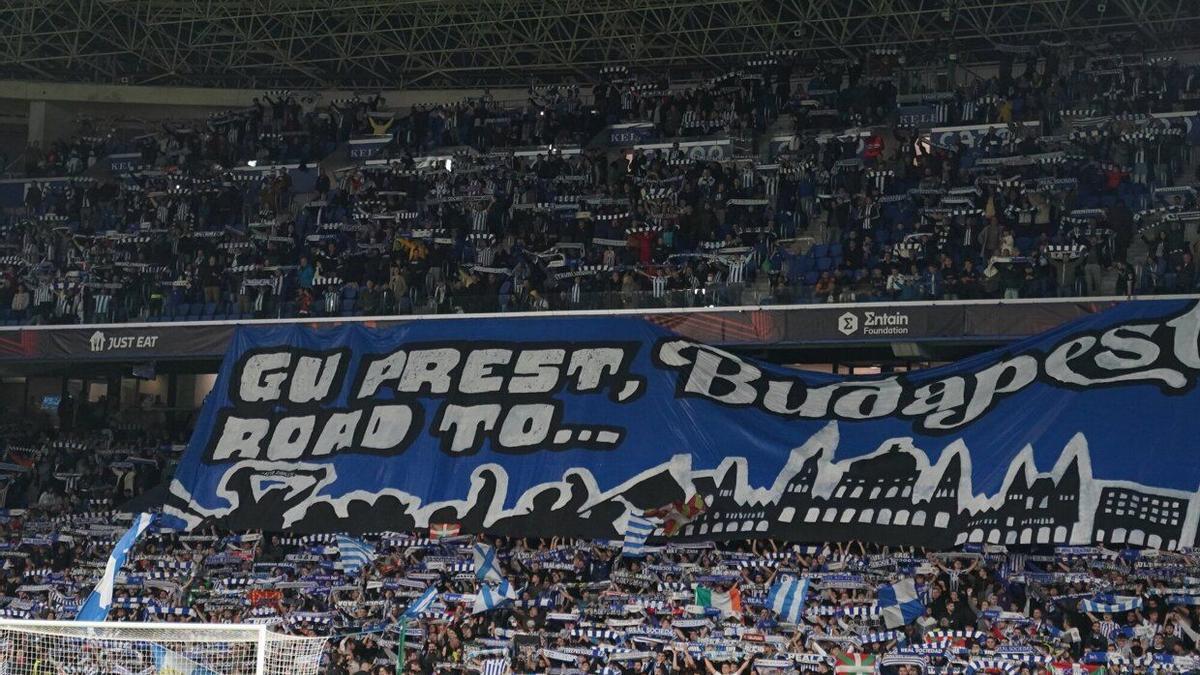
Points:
[[724, 514], [942, 509], [1128, 516], [1042, 512], [875, 497], [795, 501], [874, 490]]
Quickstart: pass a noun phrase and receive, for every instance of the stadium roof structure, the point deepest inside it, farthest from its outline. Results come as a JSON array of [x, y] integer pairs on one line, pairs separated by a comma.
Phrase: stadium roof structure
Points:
[[471, 43]]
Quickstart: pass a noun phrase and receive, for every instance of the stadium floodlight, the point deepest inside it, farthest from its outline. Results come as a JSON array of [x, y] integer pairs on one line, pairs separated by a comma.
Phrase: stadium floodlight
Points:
[[27, 647]]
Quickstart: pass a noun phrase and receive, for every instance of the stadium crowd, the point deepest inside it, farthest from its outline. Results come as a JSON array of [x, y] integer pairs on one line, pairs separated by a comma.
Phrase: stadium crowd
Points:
[[578, 606], [1075, 189]]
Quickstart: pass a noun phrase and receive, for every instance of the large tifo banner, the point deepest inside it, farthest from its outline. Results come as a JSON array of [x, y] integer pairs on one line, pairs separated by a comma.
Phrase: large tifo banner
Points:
[[566, 425]]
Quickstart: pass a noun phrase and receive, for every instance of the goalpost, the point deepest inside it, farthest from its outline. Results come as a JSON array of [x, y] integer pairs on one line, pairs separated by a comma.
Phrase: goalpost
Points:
[[42, 647]]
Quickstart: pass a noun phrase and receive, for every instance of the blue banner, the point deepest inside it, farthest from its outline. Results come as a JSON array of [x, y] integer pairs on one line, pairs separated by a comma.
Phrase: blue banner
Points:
[[124, 163], [366, 147], [631, 133], [566, 425]]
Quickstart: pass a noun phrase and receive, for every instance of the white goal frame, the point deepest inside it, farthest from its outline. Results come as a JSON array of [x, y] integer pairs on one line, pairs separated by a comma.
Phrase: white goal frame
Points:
[[274, 653]]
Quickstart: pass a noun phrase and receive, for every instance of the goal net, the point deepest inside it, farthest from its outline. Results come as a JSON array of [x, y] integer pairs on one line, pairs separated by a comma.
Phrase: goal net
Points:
[[41, 647]]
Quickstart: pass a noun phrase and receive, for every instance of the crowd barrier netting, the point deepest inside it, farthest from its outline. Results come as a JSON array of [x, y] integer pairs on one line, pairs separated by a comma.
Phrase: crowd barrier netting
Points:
[[30, 647]]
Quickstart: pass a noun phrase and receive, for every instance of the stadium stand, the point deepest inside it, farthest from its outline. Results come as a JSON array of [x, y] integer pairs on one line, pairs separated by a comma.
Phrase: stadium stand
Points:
[[1080, 187], [582, 606], [748, 189]]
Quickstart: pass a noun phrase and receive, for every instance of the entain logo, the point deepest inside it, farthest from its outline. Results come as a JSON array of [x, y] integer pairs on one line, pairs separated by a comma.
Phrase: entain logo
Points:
[[848, 323], [99, 342], [873, 323]]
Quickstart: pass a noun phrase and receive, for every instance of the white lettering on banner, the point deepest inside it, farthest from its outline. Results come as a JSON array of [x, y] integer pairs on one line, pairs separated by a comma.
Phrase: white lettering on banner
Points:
[[1163, 353], [285, 396], [535, 371], [287, 438], [874, 323], [99, 342]]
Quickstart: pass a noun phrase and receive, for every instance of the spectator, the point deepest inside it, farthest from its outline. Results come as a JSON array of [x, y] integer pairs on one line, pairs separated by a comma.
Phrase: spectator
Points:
[[369, 299], [483, 233]]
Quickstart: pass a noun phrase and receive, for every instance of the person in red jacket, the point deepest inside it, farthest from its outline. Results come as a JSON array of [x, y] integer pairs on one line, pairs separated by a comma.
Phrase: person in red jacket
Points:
[[873, 149]]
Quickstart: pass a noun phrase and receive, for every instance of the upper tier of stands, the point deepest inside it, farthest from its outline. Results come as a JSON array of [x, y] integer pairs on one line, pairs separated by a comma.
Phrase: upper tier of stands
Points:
[[754, 187]]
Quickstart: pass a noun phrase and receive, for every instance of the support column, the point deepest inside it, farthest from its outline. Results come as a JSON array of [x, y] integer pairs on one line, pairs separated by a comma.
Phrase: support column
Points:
[[172, 401], [37, 122]]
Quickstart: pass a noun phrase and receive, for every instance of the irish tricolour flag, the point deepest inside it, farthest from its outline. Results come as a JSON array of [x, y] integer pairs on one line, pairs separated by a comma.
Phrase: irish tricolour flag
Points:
[[728, 602]]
